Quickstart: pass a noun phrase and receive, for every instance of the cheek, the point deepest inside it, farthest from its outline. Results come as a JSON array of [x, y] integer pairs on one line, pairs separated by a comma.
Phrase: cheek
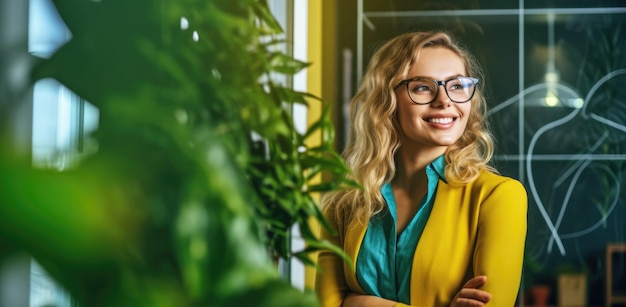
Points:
[[467, 112], [467, 118], [407, 119]]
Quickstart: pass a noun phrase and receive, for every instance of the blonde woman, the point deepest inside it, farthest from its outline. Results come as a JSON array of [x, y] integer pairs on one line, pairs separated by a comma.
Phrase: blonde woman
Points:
[[434, 224]]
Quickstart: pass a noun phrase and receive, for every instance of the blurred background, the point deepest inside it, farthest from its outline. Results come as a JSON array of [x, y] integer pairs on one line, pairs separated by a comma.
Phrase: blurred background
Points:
[[143, 119]]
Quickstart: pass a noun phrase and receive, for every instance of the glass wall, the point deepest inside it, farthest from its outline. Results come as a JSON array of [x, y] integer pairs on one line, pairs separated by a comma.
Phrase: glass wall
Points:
[[555, 74]]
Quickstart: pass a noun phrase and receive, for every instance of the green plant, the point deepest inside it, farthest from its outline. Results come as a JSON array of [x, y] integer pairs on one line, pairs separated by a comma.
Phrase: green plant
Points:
[[199, 173], [569, 268]]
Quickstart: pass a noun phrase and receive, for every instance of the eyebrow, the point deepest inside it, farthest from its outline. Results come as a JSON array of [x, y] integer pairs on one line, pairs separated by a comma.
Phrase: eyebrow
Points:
[[431, 78]]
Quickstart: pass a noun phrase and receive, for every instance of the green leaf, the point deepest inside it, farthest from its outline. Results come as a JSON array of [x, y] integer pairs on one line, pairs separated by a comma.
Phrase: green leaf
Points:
[[282, 63], [265, 16], [324, 244]]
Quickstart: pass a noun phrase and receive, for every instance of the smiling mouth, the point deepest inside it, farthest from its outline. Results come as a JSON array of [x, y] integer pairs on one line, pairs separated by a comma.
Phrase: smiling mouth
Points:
[[440, 120]]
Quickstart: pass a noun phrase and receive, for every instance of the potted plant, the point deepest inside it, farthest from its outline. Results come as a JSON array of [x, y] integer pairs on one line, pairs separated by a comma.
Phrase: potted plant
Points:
[[540, 294], [536, 288], [572, 285]]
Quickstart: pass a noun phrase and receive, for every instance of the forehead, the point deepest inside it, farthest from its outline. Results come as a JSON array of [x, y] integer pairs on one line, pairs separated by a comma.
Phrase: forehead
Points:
[[437, 62]]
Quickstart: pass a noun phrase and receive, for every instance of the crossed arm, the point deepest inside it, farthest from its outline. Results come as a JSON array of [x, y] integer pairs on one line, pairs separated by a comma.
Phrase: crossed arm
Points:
[[469, 296]]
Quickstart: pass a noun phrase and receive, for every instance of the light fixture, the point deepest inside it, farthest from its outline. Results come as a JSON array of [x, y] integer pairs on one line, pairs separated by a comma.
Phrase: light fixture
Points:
[[552, 92]]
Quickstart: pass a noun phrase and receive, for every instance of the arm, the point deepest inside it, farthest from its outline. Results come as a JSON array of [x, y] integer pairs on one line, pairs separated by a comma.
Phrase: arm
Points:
[[500, 243], [469, 296]]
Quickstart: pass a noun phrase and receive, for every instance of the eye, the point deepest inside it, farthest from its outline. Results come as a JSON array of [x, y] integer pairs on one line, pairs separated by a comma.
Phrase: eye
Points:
[[420, 87], [460, 84], [456, 85]]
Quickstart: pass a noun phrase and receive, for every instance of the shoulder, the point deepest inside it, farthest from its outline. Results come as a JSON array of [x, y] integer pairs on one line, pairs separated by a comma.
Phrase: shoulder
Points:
[[491, 185], [330, 204], [490, 188], [487, 180], [500, 198], [487, 187], [336, 207]]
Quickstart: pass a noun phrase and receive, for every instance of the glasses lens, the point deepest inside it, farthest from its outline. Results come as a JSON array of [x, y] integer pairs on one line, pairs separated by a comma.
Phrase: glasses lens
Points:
[[460, 89], [422, 91]]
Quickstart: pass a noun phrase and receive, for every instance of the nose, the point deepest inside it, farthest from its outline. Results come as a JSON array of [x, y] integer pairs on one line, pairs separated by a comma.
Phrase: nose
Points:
[[442, 99]]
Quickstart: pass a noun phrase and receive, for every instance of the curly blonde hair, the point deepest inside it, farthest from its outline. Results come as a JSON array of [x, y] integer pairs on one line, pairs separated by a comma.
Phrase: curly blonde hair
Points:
[[375, 134]]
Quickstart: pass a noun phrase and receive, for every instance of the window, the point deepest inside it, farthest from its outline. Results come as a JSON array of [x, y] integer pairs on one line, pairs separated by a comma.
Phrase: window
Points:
[[60, 122]]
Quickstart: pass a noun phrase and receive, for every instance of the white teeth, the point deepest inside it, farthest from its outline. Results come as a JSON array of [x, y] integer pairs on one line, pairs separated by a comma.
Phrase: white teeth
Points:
[[438, 120]]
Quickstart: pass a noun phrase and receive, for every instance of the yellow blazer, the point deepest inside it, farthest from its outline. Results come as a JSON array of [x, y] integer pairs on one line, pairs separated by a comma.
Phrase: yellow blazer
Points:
[[475, 229]]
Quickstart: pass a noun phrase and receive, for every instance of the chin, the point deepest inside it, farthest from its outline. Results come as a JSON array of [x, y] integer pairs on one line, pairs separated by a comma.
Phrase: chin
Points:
[[447, 141]]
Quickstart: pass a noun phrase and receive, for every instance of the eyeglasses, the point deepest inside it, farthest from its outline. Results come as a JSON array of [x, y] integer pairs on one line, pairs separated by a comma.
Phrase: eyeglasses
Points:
[[424, 91]]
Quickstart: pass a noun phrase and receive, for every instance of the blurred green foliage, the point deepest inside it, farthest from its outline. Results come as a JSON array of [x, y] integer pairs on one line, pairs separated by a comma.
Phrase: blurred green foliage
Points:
[[199, 173]]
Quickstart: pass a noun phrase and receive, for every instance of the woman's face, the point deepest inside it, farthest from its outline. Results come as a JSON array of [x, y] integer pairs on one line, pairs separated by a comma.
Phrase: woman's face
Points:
[[442, 122]]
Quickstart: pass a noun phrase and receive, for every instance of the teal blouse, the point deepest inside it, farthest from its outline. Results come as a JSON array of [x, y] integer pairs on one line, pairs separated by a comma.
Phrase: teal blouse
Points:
[[385, 260]]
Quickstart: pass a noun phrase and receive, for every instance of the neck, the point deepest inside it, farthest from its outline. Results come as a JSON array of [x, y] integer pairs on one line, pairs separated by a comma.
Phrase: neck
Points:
[[411, 165]]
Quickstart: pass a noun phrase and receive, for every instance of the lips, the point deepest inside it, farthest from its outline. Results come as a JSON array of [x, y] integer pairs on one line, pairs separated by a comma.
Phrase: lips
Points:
[[440, 120]]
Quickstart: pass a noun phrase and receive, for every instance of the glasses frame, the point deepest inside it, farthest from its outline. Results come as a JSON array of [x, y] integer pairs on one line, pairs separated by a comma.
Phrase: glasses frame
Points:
[[406, 83]]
